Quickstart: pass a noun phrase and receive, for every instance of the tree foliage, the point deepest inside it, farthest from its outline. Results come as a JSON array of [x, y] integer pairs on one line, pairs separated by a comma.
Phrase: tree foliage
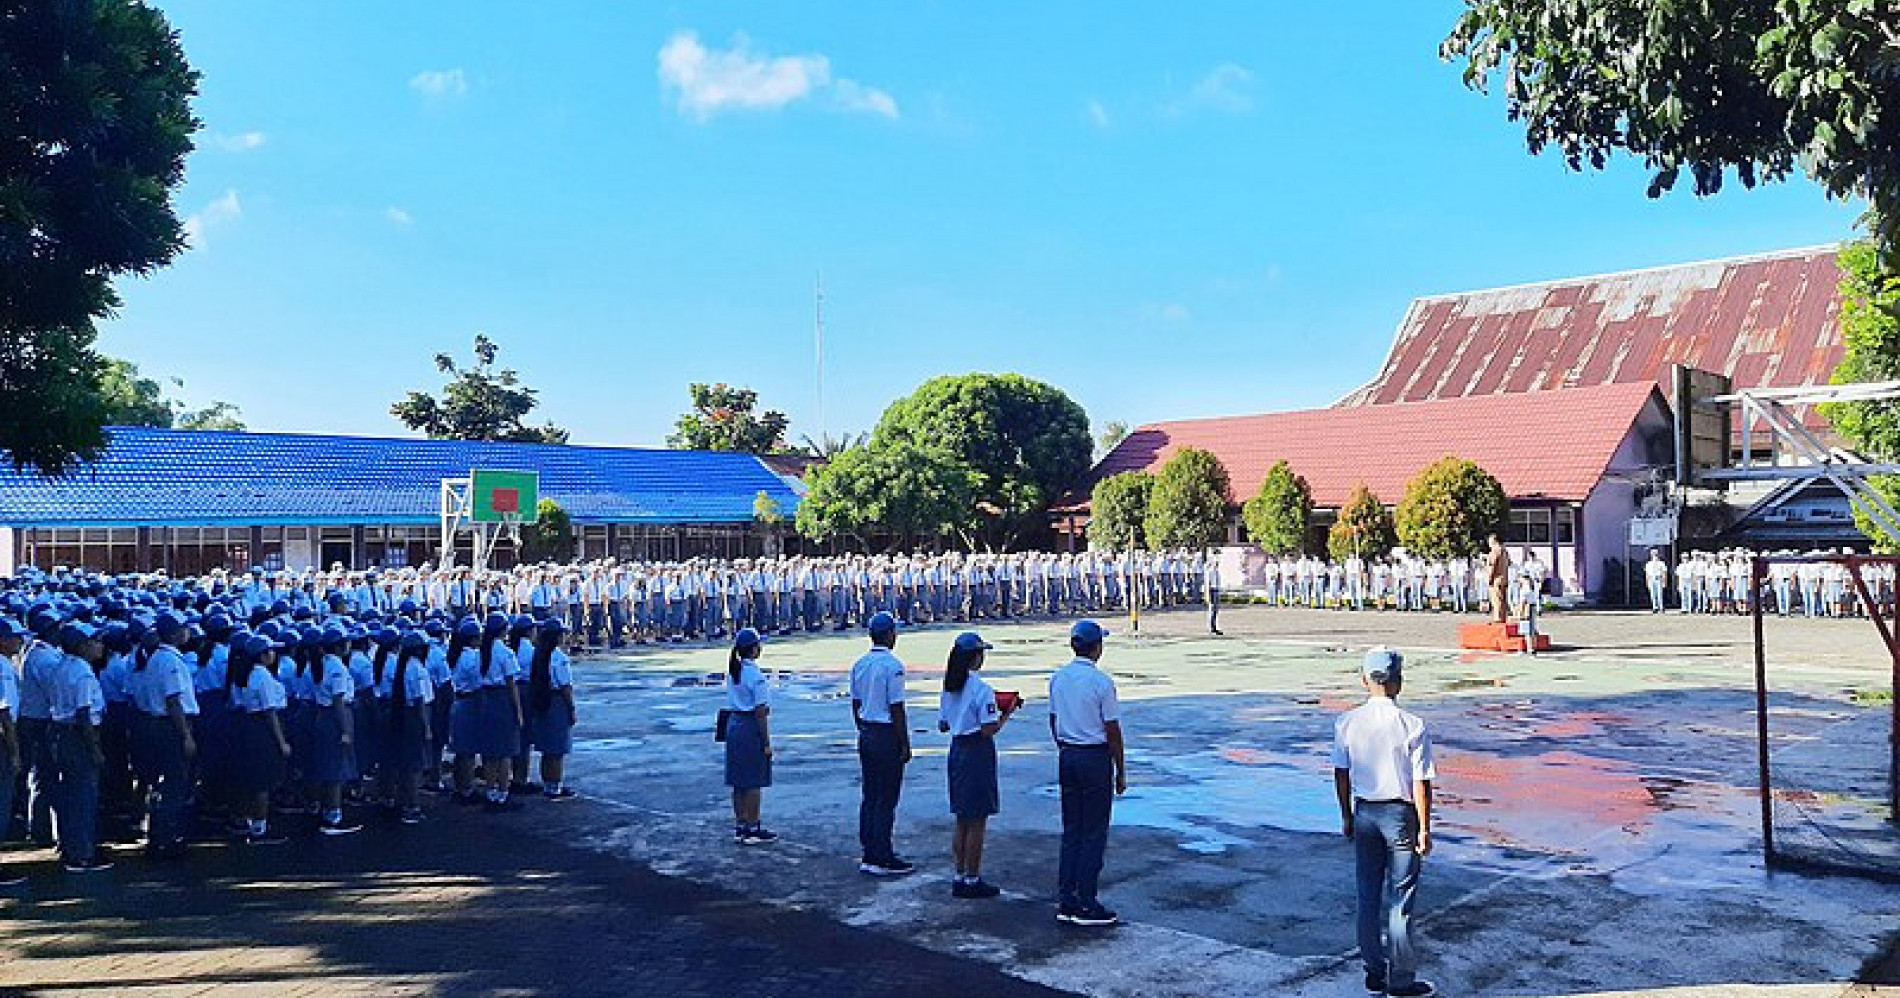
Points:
[[216, 416], [1449, 508], [1363, 527], [825, 446], [478, 403], [1759, 87], [900, 490], [131, 399], [1280, 517], [1188, 507], [766, 510], [724, 418], [1870, 326], [1024, 441], [1118, 508], [1112, 435], [96, 97], [550, 537]]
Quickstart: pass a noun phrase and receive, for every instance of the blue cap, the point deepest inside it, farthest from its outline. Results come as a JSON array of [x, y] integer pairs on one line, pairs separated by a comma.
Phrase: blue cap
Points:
[[881, 622], [74, 632], [495, 626], [1086, 631], [554, 625], [747, 638], [434, 627], [1383, 665], [469, 628], [972, 641], [167, 622], [415, 641], [258, 644], [335, 634], [10, 628], [388, 636], [522, 623]]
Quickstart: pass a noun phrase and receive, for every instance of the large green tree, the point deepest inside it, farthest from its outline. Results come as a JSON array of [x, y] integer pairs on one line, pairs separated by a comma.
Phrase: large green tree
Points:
[[1026, 443], [1118, 507], [1870, 326], [550, 537], [1449, 508], [131, 399], [1363, 527], [1757, 87], [727, 419], [1281, 515], [901, 491], [478, 403], [96, 96], [1188, 507]]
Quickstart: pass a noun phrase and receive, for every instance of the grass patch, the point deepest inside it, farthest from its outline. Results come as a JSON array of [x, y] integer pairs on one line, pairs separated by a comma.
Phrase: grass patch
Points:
[[1873, 698]]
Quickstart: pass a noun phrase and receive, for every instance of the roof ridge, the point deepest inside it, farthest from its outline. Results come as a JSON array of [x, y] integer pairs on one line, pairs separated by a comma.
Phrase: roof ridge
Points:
[[1489, 398], [1558, 282], [377, 438]]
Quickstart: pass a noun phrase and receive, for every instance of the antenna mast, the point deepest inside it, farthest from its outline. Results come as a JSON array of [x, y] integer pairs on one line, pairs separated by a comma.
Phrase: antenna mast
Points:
[[819, 333]]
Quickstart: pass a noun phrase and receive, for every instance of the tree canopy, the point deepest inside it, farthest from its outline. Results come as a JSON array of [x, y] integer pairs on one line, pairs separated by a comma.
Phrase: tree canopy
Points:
[[1118, 507], [550, 537], [131, 399], [900, 490], [1280, 516], [1113, 433], [1025, 443], [1757, 87], [97, 99], [724, 418], [1363, 527], [1188, 507], [478, 403], [1449, 508], [1870, 327]]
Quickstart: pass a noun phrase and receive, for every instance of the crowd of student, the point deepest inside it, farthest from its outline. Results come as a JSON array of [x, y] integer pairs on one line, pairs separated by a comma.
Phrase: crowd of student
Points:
[[1719, 582], [177, 705]]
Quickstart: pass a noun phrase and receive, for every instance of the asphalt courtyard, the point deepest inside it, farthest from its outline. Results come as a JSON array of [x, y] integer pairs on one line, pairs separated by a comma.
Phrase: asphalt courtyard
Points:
[[1595, 839]]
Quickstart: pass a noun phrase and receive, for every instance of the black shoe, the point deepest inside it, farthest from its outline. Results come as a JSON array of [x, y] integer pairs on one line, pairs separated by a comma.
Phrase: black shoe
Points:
[[501, 806], [338, 827], [1375, 983], [93, 865], [525, 788], [1091, 916], [888, 868], [1417, 989], [265, 838], [758, 837], [974, 889]]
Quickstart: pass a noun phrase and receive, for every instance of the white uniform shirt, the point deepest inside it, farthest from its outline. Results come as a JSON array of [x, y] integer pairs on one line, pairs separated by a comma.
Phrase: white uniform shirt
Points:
[[1082, 698], [74, 688], [750, 691], [9, 686], [1385, 748], [166, 675], [877, 682], [969, 709]]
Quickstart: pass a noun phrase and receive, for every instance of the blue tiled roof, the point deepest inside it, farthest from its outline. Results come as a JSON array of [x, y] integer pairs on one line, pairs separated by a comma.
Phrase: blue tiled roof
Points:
[[184, 478]]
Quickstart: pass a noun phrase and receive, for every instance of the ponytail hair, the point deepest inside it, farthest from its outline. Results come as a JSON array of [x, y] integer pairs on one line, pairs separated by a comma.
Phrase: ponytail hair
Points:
[[957, 674], [734, 664], [540, 672]]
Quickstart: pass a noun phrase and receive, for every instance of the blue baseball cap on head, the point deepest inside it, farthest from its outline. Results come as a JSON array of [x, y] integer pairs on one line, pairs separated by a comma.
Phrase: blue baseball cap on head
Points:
[[1087, 631], [747, 638], [469, 628], [388, 636], [434, 628], [495, 626], [972, 641], [167, 623], [522, 623], [1383, 665], [258, 644], [553, 625], [74, 633], [10, 628], [335, 634], [415, 640], [881, 622]]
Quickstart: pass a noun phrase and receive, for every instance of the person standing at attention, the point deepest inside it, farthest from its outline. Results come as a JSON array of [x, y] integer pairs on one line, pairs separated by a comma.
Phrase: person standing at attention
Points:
[[1497, 572], [877, 705], [1211, 585], [969, 714], [1382, 774], [1085, 719], [1656, 574], [748, 738]]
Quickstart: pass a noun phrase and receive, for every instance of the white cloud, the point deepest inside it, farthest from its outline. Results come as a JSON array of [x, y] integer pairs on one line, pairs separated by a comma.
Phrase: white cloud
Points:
[[1097, 114], [1171, 312], [398, 216], [705, 82], [440, 84], [242, 142], [1227, 88], [223, 209]]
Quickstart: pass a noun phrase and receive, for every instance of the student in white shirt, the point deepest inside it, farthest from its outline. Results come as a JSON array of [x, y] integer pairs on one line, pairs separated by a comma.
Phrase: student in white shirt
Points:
[[1382, 775], [1085, 720], [877, 709], [969, 713], [1656, 575], [748, 738]]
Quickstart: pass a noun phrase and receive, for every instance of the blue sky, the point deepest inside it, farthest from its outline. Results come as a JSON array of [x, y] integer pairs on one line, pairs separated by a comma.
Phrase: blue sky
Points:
[[1169, 210]]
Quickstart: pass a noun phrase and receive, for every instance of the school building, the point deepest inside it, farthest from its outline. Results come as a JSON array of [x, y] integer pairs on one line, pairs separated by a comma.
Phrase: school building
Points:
[[1562, 391], [192, 501]]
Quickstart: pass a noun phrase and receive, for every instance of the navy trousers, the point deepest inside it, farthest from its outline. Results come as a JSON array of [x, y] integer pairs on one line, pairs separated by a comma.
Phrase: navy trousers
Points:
[[881, 756], [1087, 777]]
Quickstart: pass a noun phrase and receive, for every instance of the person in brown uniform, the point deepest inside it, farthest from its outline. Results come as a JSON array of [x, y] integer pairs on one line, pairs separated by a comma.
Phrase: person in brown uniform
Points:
[[1498, 574]]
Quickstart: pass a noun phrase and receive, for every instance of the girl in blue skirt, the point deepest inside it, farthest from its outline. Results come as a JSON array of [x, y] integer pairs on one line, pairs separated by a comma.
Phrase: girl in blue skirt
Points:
[[259, 750], [408, 693], [297, 670], [495, 734], [968, 713], [444, 688], [366, 641], [332, 758], [521, 640], [465, 679], [748, 738], [550, 709]]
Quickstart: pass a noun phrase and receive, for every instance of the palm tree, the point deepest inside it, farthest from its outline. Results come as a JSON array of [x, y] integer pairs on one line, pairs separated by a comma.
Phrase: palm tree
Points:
[[827, 447]]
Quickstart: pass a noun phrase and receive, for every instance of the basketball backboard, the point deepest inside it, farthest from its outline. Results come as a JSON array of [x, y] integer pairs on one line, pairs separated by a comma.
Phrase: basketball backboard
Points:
[[497, 496]]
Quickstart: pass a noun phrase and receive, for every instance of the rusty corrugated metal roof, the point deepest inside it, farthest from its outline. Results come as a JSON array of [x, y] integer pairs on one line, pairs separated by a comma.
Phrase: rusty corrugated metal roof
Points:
[[1766, 321]]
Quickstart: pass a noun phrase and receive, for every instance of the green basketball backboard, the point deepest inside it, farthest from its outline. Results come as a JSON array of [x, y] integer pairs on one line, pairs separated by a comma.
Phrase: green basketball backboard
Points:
[[503, 496]]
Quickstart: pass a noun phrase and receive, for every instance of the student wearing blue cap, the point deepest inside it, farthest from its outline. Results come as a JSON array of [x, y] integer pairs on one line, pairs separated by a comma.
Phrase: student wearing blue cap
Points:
[[465, 677], [77, 710], [521, 640], [260, 752], [748, 736], [968, 712], [36, 731], [12, 643], [1085, 719], [877, 707], [1382, 775], [548, 698], [165, 695], [437, 664], [496, 732], [332, 758], [408, 693]]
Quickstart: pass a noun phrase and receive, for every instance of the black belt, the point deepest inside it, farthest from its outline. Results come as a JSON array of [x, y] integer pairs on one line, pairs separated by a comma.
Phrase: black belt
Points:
[[1394, 800], [1073, 745]]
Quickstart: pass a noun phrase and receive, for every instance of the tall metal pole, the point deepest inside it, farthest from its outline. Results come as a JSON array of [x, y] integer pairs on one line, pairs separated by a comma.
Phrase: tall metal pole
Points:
[[819, 338], [1757, 569]]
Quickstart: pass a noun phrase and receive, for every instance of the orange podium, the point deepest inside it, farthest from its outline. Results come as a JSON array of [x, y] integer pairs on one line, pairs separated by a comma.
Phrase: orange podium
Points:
[[1493, 636]]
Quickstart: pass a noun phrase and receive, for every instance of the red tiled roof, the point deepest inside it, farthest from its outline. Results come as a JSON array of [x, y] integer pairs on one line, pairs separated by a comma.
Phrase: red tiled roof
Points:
[[1766, 321], [1553, 444]]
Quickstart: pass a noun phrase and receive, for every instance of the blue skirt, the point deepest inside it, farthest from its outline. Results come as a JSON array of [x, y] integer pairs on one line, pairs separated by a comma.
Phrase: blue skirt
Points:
[[296, 717], [747, 767], [404, 749], [462, 722], [549, 729], [329, 761], [368, 735], [497, 732], [973, 776], [256, 766], [439, 718], [211, 729]]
